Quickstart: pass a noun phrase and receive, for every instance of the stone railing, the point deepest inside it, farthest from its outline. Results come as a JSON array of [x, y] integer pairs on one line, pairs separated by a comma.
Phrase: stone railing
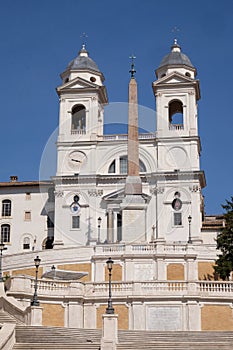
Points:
[[215, 287], [7, 336], [49, 288], [143, 136], [176, 127], [14, 307], [152, 248]]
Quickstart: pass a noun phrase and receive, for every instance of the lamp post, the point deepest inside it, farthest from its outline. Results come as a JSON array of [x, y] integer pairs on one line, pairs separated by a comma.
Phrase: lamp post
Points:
[[109, 309], [2, 247], [99, 223], [35, 301], [189, 220]]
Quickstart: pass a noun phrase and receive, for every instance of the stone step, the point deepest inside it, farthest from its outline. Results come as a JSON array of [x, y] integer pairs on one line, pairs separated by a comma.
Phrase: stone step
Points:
[[60, 346], [180, 336], [46, 338], [173, 346], [7, 318], [33, 334]]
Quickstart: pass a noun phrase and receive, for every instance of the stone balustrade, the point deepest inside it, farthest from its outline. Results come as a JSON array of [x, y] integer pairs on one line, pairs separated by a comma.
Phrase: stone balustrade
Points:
[[143, 136], [70, 254], [24, 284]]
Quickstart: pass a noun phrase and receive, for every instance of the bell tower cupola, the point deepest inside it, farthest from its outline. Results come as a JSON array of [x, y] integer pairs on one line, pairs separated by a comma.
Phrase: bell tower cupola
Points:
[[177, 92], [177, 61], [82, 99], [83, 67]]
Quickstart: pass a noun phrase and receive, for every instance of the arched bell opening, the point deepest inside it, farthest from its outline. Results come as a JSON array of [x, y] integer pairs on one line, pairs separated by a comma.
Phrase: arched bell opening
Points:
[[176, 121]]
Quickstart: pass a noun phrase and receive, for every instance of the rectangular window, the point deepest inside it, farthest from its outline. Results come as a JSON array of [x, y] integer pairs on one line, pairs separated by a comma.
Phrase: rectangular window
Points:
[[75, 222], [5, 233], [27, 216], [26, 243], [6, 207], [123, 165], [177, 219]]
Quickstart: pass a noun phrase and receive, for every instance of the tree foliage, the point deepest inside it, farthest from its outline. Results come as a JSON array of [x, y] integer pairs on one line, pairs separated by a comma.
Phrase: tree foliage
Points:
[[224, 263]]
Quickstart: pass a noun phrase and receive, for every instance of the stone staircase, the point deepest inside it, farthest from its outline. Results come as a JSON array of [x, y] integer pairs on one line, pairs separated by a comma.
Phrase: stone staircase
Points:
[[46, 338], [148, 340], [7, 318]]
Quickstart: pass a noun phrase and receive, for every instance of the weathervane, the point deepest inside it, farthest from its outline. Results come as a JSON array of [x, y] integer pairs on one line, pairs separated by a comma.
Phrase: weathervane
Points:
[[132, 70]]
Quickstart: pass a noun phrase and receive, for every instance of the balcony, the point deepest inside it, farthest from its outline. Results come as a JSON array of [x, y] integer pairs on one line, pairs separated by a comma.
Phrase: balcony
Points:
[[176, 127]]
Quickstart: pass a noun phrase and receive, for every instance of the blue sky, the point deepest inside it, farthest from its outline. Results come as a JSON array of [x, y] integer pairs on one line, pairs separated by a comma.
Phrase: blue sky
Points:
[[39, 38]]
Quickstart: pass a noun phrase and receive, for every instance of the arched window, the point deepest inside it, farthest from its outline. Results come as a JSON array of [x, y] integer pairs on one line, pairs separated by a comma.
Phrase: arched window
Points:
[[112, 167], [5, 233], [142, 167], [26, 243], [78, 125], [120, 165], [177, 206], [176, 115], [6, 207]]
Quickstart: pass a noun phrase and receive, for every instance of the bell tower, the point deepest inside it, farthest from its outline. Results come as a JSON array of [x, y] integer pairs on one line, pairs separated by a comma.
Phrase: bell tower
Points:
[[82, 97], [177, 92], [180, 180]]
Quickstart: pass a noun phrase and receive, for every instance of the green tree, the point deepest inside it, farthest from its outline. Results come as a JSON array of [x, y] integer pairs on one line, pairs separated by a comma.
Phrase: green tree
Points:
[[224, 263]]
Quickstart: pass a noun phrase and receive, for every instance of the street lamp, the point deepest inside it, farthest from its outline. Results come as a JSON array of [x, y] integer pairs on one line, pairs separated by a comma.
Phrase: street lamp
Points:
[[2, 247], [35, 301], [99, 223], [109, 309], [189, 220]]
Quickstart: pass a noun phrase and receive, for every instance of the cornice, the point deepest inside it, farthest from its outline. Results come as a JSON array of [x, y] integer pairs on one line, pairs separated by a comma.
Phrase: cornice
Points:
[[98, 179]]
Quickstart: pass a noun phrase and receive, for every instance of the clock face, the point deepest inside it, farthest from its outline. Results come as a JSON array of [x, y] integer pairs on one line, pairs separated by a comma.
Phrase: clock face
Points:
[[76, 160]]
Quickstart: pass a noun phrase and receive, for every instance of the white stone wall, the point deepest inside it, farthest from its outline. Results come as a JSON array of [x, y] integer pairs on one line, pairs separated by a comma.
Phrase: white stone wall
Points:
[[35, 228]]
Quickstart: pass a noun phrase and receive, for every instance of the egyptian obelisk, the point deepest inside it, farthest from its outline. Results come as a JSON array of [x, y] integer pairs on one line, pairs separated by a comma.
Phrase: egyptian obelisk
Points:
[[133, 181], [133, 205]]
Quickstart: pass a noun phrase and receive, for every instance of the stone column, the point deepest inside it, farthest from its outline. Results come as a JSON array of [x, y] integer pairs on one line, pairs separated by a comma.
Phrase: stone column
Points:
[[2, 289], [75, 315], [194, 316], [110, 226], [139, 316], [109, 332], [36, 315]]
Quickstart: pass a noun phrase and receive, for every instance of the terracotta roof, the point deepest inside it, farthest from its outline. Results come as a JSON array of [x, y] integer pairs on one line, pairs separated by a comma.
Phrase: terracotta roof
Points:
[[25, 183]]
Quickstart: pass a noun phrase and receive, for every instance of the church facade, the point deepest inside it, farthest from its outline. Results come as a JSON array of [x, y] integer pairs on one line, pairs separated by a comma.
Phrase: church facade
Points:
[[136, 197]]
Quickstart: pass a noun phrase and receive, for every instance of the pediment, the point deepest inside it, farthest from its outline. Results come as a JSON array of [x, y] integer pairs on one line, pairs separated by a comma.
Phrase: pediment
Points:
[[120, 194], [174, 78], [77, 83]]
